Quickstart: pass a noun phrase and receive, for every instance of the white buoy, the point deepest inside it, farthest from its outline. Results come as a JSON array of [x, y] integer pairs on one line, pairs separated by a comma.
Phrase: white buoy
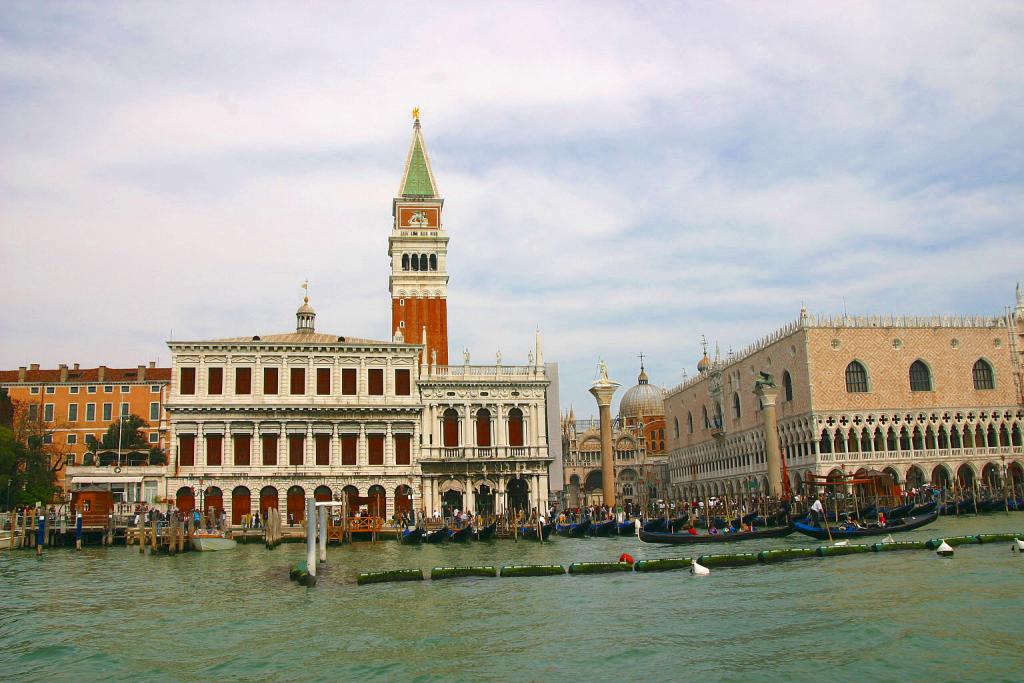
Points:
[[1018, 545], [944, 549], [840, 544], [699, 570]]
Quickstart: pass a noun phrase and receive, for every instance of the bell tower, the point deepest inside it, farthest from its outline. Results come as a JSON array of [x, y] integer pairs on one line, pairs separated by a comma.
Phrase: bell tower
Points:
[[418, 247]]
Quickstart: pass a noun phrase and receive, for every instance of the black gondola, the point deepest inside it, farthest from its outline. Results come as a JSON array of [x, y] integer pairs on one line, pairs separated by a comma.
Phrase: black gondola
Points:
[[907, 524], [606, 528], [656, 537], [659, 525], [439, 535], [578, 530], [412, 536], [627, 528], [487, 533], [680, 523], [925, 509], [461, 535], [529, 533]]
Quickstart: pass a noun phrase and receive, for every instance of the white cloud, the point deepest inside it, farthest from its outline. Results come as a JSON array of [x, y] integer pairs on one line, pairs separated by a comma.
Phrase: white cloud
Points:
[[626, 176]]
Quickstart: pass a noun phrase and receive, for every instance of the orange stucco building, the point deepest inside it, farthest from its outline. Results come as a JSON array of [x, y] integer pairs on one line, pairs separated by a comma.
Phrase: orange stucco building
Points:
[[69, 404]]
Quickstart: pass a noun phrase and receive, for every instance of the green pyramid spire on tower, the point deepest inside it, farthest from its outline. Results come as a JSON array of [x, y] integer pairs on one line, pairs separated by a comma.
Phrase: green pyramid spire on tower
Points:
[[418, 180]]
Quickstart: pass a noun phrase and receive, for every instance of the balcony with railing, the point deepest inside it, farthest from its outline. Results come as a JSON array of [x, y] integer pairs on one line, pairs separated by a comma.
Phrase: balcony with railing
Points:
[[448, 454], [483, 372]]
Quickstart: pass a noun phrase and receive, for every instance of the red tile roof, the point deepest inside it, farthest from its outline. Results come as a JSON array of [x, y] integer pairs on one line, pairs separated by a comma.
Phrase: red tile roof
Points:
[[112, 375]]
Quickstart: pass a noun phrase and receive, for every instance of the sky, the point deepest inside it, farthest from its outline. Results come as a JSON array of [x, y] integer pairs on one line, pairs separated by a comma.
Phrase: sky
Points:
[[625, 176]]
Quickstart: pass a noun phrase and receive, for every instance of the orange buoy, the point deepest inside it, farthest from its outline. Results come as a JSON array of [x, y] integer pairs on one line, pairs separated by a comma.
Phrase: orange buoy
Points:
[[626, 557]]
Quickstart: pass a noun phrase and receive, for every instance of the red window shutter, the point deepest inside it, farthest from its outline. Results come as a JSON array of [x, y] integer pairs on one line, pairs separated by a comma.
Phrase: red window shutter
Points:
[[243, 442], [270, 381], [296, 444], [515, 432], [323, 449], [483, 430], [376, 448], [349, 448], [323, 381], [403, 449], [214, 449], [375, 380], [348, 382], [214, 380], [243, 381], [270, 449], [451, 432], [187, 450], [298, 381], [188, 381], [402, 387]]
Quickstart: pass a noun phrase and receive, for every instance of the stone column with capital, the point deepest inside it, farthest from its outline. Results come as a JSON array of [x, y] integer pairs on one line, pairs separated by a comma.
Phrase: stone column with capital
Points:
[[603, 390], [768, 392]]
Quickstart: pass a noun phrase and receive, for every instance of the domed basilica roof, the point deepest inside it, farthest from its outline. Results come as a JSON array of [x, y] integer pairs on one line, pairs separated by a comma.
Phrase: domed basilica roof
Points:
[[645, 399]]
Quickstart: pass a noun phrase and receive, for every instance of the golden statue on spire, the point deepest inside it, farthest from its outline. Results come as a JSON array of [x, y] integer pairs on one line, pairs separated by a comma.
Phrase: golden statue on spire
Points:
[[305, 286], [415, 113]]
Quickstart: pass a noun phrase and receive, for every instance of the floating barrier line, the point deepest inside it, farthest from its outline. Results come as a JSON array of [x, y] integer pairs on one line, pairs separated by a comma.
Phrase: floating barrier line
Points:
[[674, 563]]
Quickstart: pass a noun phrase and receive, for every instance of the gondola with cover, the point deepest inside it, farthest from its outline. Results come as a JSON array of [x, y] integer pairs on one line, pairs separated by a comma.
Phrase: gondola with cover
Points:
[[687, 538]]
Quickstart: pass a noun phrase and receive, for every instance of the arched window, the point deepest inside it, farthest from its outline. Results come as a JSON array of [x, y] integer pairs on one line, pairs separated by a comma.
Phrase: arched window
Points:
[[415, 262], [433, 261], [689, 422], [450, 428], [856, 378], [787, 385], [675, 422], [920, 377], [515, 428], [405, 262], [707, 423], [718, 415], [736, 406], [983, 377], [423, 262]]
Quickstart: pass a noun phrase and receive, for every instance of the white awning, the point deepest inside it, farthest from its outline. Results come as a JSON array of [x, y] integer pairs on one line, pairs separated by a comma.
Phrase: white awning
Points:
[[113, 479]]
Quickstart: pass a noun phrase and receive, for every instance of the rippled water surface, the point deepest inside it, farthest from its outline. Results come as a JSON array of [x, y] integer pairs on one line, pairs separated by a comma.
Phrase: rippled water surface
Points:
[[115, 614]]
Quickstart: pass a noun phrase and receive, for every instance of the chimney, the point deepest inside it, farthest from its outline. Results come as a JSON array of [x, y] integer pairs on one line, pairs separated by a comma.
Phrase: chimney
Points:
[[33, 366], [22, 371], [101, 373], [63, 372], [152, 364], [75, 366], [142, 373]]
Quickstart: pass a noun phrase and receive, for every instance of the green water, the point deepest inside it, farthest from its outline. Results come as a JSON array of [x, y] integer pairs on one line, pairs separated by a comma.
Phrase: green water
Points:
[[115, 614]]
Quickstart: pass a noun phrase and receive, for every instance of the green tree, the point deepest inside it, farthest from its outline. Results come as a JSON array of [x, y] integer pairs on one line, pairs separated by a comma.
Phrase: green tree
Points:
[[129, 429], [157, 457], [36, 458]]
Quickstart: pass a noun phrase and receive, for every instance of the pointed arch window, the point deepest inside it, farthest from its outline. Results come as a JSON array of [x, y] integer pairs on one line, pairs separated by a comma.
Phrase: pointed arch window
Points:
[[675, 422], [736, 411], [787, 385], [689, 422], [707, 422], [920, 377], [856, 378], [984, 378]]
